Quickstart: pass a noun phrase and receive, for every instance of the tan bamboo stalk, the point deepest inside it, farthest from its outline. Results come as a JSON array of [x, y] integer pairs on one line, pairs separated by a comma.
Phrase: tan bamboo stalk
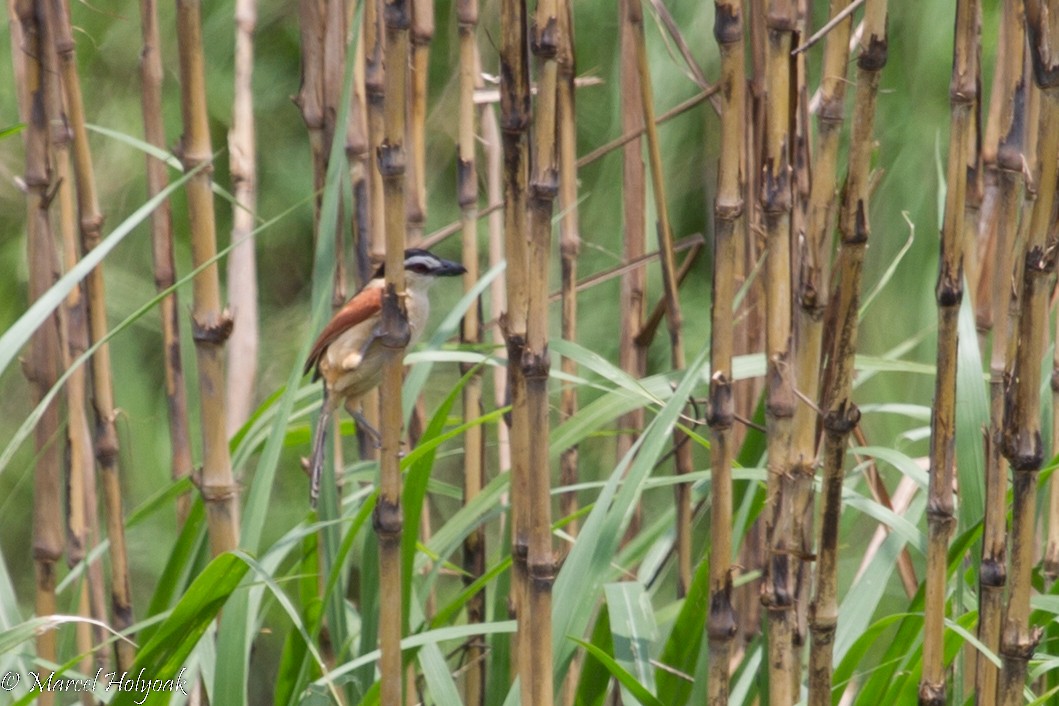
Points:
[[1007, 164], [359, 158], [310, 98], [632, 357], [940, 519], [471, 333], [840, 412], [242, 265], [422, 34], [813, 284], [91, 225], [778, 591], [1022, 433], [374, 78], [211, 323], [569, 241], [41, 367], [151, 76], [493, 151], [674, 319], [392, 157], [536, 363], [729, 220], [514, 123]]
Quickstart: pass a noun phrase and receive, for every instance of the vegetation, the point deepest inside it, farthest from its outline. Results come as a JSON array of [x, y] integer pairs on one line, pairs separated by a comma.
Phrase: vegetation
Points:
[[830, 481]]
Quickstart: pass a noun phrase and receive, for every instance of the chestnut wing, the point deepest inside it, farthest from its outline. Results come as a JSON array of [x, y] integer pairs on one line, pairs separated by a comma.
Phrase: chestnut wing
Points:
[[362, 306]]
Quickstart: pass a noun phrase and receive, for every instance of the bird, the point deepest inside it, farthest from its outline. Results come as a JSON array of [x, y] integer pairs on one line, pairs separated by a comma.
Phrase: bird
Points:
[[351, 352]]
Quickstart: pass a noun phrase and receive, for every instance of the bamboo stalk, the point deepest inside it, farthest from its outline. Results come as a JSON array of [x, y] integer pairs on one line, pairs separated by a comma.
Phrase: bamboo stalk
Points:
[[1022, 432], [41, 368], [471, 333], [91, 226], [310, 98], [940, 518], [388, 519], [674, 319], [841, 413], [778, 591], [422, 34], [536, 363], [242, 264], [1007, 162], [632, 357], [514, 123], [569, 243], [151, 76], [211, 324], [729, 220]]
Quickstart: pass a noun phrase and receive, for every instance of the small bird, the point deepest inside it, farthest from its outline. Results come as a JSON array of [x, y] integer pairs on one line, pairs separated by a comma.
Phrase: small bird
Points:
[[350, 353]]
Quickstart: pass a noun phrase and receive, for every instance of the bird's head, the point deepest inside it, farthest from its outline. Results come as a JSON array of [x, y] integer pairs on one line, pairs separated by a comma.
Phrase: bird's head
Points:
[[423, 266]]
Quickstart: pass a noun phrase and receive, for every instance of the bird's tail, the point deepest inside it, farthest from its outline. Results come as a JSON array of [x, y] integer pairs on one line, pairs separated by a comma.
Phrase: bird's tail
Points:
[[316, 463]]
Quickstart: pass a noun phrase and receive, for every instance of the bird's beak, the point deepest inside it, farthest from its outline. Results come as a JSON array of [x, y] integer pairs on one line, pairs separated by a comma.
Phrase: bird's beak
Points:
[[450, 269]]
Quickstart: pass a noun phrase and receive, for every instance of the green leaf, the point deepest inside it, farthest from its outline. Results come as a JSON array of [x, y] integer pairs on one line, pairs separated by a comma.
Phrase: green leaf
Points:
[[681, 651], [165, 654], [627, 680], [633, 631]]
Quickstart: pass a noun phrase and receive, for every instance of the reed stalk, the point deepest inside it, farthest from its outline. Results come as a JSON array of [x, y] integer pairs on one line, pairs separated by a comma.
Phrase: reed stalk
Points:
[[91, 227], [514, 124], [31, 55], [392, 160], [211, 324], [674, 318], [374, 79], [151, 77], [422, 34], [729, 220], [632, 357], [242, 264], [776, 201], [546, 40], [471, 334], [841, 414], [569, 242], [941, 520], [1022, 423], [310, 97], [1003, 153]]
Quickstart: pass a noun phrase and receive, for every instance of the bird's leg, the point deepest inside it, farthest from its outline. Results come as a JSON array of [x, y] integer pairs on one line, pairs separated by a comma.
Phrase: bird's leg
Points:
[[316, 463], [363, 425]]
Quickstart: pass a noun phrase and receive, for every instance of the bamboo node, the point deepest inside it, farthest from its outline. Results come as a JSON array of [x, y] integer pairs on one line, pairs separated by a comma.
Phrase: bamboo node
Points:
[[218, 492], [841, 420], [536, 365], [1018, 643], [387, 518], [212, 332], [727, 23], [393, 330], [992, 573], [873, 58], [466, 183], [397, 15], [931, 693], [391, 159], [545, 42], [721, 623], [949, 291]]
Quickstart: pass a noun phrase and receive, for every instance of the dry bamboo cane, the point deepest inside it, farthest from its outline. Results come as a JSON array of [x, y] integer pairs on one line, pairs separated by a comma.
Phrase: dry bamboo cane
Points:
[[73, 334], [536, 364], [91, 225], [940, 518], [471, 333], [514, 122], [151, 75], [211, 323], [777, 592], [840, 413], [1022, 434], [813, 285], [242, 265], [569, 243], [729, 220], [1008, 163], [422, 34], [41, 368], [310, 98], [388, 518], [674, 319], [631, 357]]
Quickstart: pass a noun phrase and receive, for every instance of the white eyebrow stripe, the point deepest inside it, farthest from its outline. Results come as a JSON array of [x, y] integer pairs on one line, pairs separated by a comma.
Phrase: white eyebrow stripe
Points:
[[423, 260]]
